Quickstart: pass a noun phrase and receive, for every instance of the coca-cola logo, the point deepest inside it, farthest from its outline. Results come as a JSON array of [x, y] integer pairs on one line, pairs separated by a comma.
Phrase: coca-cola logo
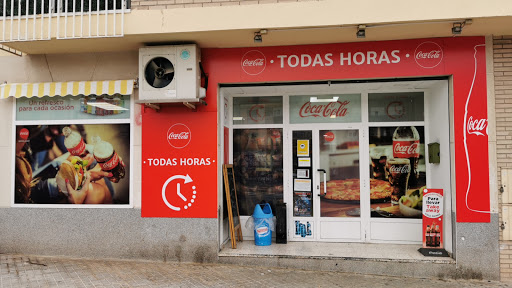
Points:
[[428, 54], [179, 135], [329, 136], [477, 126], [406, 149], [335, 109], [111, 164], [253, 62], [24, 133], [403, 169]]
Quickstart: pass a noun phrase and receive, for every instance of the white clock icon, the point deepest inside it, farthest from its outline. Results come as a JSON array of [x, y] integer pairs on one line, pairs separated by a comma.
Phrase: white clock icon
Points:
[[187, 202]]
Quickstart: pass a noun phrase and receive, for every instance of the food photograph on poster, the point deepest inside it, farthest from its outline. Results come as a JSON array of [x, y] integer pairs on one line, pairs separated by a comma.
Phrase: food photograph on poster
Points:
[[72, 164], [397, 171]]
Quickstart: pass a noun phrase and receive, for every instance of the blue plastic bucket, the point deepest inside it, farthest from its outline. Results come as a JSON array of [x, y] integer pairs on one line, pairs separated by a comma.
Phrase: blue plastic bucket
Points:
[[262, 219]]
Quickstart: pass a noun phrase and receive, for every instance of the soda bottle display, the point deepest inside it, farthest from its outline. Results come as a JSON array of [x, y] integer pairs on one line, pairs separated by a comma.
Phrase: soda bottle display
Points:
[[74, 142], [438, 237], [108, 159], [406, 144], [427, 236]]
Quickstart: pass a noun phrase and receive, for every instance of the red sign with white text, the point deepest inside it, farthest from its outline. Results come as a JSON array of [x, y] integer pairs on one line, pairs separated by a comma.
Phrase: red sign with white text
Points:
[[462, 57], [178, 166], [433, 218]]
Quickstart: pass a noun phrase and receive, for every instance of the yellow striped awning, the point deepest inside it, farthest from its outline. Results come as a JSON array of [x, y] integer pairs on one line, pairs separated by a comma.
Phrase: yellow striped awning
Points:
[[72, 88]]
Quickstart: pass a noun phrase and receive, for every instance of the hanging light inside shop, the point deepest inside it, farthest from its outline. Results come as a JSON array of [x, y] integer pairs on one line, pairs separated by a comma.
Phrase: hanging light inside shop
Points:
[[315, 99], [361, 31]]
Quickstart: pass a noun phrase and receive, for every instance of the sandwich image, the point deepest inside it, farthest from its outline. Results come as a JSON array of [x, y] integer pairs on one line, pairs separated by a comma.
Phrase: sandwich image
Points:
[[73, 170]]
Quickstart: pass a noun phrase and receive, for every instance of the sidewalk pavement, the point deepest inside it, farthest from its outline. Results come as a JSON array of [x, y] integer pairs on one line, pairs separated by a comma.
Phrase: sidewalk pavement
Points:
[[45, 271]]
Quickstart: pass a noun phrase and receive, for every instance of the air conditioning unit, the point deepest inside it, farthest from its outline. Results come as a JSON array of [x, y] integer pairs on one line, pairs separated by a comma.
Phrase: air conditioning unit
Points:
[[170, 74]]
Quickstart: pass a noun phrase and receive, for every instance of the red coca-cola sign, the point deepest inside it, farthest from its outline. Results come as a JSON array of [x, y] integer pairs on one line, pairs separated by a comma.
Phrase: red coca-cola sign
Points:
[[337, 109], [253, 62], [179, 135], [406, 149], [24, 133], [476, 126], [329, 136], [428, 54]]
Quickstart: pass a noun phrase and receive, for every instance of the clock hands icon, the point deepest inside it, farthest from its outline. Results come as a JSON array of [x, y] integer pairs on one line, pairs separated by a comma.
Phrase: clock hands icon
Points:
[[178, 192]]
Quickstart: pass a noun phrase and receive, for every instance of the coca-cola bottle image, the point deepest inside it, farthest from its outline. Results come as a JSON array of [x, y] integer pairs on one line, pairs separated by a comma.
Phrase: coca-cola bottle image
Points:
[[438, 237], [427, 236], [108, 159], [406, 144], [74, 142]]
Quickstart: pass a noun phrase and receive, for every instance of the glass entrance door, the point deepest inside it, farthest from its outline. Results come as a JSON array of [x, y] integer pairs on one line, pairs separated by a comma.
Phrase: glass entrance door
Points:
[[326, 185]]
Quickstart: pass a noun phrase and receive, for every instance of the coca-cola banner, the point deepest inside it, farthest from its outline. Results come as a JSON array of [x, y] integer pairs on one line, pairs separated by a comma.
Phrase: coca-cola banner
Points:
[[344, 108], [179, 164], [71, 164], [460, 57], [433, 219]]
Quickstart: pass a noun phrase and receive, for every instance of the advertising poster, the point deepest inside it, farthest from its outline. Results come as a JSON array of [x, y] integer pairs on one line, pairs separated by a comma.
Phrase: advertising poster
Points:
[[303, 229], [94, 159], [258, 165], [397, 171], [302, 148], [178, 170], [433, 223]]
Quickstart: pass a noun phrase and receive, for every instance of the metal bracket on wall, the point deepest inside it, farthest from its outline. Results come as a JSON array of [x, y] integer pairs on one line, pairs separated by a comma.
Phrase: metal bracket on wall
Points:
[[502, 226], [156, 107]]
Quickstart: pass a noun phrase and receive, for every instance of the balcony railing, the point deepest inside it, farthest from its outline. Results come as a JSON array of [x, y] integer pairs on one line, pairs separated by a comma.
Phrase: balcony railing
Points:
[[30, 20]]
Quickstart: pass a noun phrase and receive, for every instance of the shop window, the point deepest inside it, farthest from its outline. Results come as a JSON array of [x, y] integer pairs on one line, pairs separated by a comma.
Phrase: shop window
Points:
[[397, 171], [258, 110], [339, 108], [395, 107], [74, 138], [258, 164]]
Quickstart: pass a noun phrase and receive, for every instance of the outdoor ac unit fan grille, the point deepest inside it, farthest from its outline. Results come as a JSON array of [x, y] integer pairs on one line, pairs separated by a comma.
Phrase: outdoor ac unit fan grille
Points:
[[159, 72]]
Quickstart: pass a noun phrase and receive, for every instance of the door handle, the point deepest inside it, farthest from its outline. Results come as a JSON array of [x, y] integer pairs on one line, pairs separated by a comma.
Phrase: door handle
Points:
[[325, 181]]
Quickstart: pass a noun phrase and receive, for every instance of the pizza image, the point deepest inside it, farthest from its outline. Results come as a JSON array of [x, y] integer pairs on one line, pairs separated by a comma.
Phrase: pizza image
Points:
[[349, 190]]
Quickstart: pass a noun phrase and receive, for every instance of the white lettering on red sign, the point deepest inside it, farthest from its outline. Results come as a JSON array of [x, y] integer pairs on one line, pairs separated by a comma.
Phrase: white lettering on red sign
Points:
[[406, 149], [253, 62], [182, 135], [338, 109], [477, 126], [24, 133], [179, 135], [400, 169], [434, 54], [428, 54], [110, 164]]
